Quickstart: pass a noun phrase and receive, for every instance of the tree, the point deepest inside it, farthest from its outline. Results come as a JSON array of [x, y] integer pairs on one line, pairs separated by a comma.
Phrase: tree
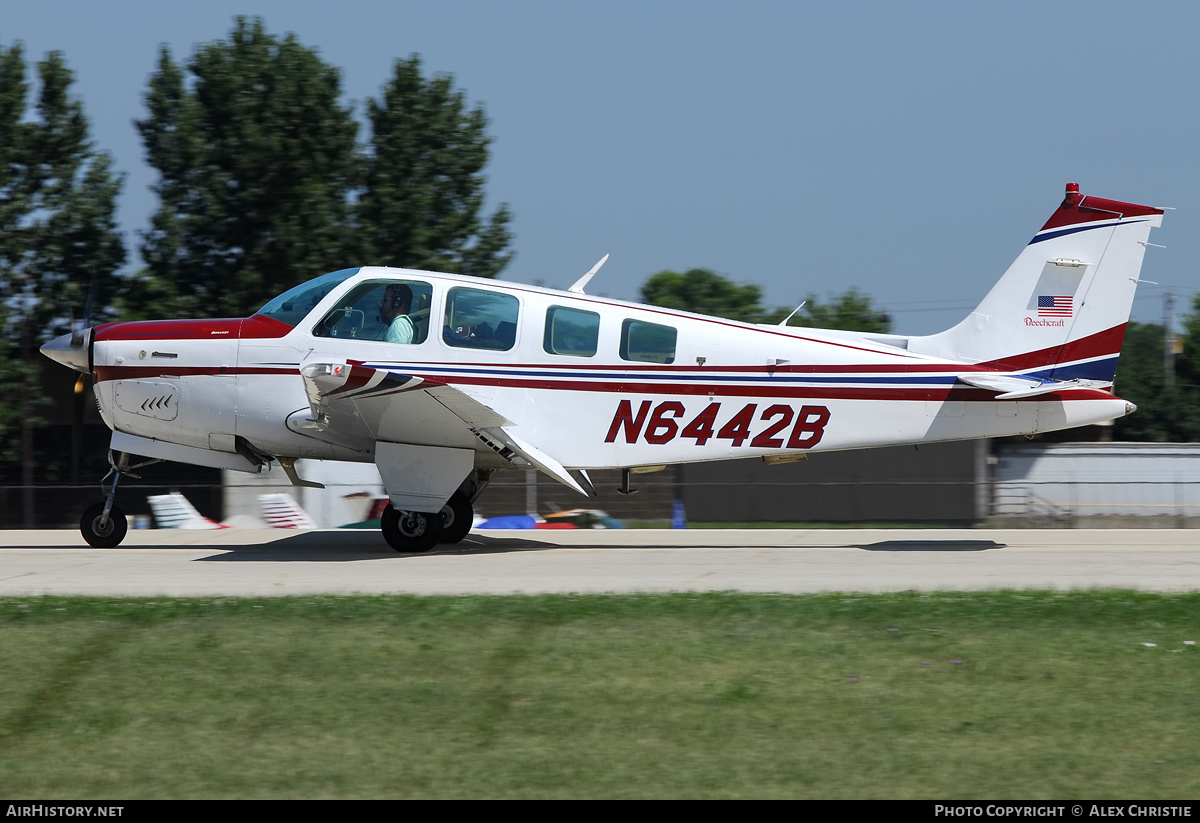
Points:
[[10, 376], [424, 184], [705, 292], [257, 162], [1167, 411], [1187, 363], [58, 236], [851, 310]]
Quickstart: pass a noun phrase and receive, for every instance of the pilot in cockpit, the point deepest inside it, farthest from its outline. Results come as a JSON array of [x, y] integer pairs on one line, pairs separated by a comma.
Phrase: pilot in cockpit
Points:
[[393, 312]]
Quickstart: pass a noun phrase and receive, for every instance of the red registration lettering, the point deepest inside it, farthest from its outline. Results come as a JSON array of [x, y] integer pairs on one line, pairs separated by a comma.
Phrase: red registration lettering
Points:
[[738, 427], [661, 428], [811, 422], [624, 419], [664, 424], [766, 438], [702, 428]]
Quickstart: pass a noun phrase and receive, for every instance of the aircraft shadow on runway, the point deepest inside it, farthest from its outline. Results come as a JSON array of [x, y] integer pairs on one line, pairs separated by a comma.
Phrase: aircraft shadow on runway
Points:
[[347, 546], [931, 546], [351, 545]]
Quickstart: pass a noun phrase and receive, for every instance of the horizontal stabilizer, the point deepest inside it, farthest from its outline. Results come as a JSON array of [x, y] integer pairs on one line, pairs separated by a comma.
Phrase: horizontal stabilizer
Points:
[[999, 382], [1045, 388], [1014, 388]]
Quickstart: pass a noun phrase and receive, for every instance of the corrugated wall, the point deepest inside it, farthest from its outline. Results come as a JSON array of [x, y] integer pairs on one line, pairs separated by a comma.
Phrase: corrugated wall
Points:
[[1099, 484]]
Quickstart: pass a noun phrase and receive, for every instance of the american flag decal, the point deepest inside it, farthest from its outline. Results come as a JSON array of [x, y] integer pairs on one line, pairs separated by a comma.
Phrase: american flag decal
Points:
[[1055, 305]]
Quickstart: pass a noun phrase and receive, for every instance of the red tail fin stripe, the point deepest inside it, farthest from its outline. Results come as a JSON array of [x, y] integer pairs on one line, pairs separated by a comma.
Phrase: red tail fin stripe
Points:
[[1093, 209], [1100, 344]]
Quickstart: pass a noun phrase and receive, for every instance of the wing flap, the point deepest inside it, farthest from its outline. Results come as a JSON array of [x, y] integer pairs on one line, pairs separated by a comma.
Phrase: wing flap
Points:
[[535, 456]]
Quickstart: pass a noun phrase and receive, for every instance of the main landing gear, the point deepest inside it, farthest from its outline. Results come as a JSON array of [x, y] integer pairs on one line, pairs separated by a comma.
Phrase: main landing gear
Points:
[[103, 524], [418, 532]]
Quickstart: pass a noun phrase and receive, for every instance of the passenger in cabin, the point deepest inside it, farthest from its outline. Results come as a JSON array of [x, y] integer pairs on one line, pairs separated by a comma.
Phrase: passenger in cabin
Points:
[[393, 311]]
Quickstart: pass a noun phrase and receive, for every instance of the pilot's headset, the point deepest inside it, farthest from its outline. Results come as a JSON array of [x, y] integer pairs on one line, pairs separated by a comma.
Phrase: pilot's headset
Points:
[[397, 300]]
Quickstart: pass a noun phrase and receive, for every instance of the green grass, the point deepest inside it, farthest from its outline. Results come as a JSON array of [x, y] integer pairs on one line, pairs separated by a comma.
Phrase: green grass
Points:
[[997, 695]]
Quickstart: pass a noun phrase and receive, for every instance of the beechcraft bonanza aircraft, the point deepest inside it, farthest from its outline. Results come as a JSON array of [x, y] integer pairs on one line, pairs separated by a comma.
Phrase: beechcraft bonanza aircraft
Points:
[[443, 380]]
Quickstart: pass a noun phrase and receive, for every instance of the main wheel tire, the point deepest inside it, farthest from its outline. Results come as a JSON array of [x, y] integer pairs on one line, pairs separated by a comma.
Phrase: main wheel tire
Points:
[[410, 531], [103, 535], [456, 518]]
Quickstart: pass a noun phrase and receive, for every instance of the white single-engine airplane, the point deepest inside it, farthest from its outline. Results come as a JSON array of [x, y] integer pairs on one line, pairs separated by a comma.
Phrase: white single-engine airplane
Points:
[[443, 380]]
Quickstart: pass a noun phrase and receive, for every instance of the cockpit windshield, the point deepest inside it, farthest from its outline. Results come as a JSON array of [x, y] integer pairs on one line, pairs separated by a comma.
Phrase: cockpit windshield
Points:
[[294, 304]]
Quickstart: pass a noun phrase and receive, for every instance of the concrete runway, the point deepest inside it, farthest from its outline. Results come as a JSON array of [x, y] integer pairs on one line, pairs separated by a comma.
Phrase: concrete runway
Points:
[[238, 562]]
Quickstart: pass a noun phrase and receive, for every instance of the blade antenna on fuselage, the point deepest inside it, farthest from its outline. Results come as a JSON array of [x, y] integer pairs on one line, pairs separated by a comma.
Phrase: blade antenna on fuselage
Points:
[[785, 320], [583, 281]]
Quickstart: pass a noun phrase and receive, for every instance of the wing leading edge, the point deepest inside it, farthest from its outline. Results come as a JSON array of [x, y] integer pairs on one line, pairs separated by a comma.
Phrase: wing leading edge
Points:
[[363, 402]]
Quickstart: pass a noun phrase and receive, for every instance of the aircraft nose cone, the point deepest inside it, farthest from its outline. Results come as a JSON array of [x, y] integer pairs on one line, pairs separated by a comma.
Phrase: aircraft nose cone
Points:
[[71, 350], [1129, 408]]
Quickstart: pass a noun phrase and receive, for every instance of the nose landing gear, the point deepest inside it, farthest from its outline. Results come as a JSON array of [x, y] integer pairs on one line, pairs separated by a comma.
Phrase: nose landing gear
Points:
[[103, 524]]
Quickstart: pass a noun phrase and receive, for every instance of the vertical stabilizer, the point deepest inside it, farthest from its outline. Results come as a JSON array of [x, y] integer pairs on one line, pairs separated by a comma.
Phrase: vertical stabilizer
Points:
[[281, 511], [1061, 309], [174, 511]]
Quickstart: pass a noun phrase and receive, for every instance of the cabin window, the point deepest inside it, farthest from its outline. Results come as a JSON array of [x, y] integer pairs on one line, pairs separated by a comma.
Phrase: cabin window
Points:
[[647, 342], [571, 332], [478, 319], [390, 311]]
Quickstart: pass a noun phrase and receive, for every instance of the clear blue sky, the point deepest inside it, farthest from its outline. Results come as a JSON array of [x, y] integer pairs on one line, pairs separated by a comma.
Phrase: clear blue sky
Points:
[[910, 149]]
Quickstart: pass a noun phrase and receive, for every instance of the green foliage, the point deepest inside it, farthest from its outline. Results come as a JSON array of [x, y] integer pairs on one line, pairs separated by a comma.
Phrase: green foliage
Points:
[[58, 196], [10, 383], [1165, 414], [907, 695], [705, 292], [1187, 363], [424, 182], [263, 183], [850, 311], [58, 235], [257, 162]]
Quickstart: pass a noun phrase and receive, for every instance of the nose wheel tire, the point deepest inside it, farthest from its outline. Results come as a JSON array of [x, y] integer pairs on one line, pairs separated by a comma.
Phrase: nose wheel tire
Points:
[[456, 518], [103, 534], [410, 531]]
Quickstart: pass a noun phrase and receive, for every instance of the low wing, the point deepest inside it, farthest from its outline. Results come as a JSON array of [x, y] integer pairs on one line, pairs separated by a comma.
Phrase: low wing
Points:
[[360, 402], [354, 403]]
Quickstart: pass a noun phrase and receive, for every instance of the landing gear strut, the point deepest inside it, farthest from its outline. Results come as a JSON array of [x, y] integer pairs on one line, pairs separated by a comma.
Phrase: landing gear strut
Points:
[[103, 524]]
